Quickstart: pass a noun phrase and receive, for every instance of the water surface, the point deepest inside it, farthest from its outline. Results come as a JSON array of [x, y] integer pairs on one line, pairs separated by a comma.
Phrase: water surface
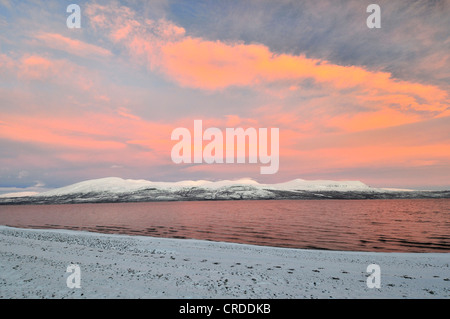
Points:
[[404, 225]]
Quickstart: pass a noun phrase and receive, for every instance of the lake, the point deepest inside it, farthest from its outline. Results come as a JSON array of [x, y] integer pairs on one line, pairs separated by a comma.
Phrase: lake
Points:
[[403, 225]]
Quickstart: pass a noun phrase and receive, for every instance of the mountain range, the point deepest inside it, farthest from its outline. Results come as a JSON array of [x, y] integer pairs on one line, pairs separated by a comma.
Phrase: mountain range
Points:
[[114, 189]]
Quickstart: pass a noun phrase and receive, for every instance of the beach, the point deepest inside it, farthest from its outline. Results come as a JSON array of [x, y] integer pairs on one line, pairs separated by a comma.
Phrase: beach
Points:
[[33, 264]]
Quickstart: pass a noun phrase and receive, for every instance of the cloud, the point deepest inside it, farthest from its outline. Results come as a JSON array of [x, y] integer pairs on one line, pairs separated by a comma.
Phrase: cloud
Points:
[[72, 46], [59, 72], [336, 31], [6, 63], [194, 62], [6, 3], [126, 113], [33, 67]]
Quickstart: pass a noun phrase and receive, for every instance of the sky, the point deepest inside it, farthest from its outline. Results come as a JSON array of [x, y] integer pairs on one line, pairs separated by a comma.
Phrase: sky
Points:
[[350, 102]]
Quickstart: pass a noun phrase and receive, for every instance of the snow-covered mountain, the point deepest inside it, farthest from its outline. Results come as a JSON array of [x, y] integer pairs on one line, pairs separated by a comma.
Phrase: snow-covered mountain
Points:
[[114, 189], [117, 185]]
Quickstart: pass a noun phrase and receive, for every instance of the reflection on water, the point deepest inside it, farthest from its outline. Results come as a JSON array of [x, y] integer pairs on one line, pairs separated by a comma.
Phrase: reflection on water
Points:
[[418, 225]]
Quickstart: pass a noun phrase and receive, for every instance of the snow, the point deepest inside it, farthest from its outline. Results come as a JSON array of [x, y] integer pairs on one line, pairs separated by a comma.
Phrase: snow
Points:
[[18, 194], [320, 185], [119, 185], [109, 184], [397, 189], [33, 264]]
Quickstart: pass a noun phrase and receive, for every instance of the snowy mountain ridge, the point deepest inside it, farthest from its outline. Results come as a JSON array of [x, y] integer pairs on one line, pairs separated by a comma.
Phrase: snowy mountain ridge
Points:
[[119, 185], [115, 189]]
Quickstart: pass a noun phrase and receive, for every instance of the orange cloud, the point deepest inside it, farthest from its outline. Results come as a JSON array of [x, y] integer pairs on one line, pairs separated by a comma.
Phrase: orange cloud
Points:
[[194, 62], [345, 159], [88, 133], [55, 131], [373, 120], [197, 63]]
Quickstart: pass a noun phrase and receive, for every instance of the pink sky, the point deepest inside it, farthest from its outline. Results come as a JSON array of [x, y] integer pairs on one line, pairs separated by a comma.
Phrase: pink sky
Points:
[[103, 100]]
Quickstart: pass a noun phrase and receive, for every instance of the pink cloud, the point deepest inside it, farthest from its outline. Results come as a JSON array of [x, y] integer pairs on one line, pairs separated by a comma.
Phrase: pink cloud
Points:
[[59, 72], [93, 137], [36, 67], [6, 62], [126, 113], [72, 46]]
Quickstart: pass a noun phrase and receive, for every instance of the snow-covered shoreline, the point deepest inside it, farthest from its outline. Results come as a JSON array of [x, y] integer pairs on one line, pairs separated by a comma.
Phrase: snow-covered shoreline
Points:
[[33, 264]]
